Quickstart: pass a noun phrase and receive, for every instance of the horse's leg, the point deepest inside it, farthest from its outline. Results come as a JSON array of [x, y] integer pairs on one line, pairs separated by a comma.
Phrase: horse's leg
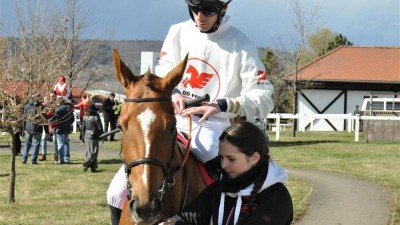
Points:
[[126, 218]]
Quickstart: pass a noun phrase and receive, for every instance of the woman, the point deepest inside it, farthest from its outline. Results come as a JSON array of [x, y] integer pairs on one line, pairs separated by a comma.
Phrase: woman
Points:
[[92, 129], [83, 105], [61, 89], [251, 190]]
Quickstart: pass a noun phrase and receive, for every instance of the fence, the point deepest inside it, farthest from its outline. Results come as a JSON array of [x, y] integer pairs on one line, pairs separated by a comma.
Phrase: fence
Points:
[[353, 121]]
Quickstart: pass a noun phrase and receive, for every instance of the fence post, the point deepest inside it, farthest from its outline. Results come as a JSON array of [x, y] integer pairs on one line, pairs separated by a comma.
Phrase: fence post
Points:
[[278, 127], [357, 128], [349, 124], [74, 125]]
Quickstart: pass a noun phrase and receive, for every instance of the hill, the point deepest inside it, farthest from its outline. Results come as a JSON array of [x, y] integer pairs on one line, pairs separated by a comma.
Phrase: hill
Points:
[[102, 66], [130, 52]]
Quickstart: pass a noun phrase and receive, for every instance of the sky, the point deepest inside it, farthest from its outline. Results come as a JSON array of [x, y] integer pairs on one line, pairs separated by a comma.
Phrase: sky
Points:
[[363, 22]]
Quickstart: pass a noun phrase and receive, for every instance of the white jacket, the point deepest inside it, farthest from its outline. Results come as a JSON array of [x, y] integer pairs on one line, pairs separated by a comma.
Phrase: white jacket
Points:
[[224, 64]]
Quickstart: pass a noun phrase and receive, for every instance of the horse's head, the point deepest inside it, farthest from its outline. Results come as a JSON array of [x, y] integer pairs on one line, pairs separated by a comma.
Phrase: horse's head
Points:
[[148, 136]]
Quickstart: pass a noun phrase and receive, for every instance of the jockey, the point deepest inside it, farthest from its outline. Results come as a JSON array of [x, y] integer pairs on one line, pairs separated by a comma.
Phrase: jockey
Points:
[[224, 64], [62, 89]]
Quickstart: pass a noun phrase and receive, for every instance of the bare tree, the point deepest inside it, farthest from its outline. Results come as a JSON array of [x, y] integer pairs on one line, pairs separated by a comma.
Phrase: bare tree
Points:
[[296, 50], [30, 62]]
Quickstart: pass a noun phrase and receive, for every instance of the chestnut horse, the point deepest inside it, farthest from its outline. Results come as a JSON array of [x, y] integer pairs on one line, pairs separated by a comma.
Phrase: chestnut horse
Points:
[[160, 179]]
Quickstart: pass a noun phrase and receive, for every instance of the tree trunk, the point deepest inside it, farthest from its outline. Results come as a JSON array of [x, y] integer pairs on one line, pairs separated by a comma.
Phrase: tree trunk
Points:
[[11, 196], [294, 122]]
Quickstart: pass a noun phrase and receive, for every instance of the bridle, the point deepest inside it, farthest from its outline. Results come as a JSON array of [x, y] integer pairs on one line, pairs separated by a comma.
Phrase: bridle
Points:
[[169, 175]]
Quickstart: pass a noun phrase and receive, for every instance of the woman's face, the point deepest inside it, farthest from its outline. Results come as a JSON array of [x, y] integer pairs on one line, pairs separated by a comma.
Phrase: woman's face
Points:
[[233, 161]]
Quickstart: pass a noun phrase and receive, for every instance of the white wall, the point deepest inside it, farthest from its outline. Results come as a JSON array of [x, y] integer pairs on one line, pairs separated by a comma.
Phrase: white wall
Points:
[[321, 99]]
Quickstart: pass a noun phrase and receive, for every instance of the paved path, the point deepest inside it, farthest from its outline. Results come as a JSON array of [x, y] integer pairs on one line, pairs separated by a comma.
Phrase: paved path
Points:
[[343, 200]]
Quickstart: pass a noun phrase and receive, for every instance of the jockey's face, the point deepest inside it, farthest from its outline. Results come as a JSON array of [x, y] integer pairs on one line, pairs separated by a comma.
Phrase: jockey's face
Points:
[[206, 18]]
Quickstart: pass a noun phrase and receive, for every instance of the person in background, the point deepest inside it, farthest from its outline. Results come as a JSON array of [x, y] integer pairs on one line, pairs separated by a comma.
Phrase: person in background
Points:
[[61, 122], [92, 129], [46, 105], [224, 64], [251, 190], [82, 106], [109, 108], [32, 129], [117, 111], [62, 89]]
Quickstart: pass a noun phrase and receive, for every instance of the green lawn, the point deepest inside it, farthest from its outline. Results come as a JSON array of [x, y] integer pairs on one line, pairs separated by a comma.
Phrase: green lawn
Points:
[[378, 162], [63, 194]]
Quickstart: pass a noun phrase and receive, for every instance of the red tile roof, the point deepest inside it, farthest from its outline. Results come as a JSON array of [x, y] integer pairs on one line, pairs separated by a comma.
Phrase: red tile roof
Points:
[[355, 64]]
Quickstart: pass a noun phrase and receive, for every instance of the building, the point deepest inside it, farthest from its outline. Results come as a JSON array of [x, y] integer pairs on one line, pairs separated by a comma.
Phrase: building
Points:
[[341, 79]]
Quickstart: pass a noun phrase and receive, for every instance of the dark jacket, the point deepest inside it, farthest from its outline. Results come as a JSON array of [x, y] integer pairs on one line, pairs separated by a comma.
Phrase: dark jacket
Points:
[[108, 112], [273, 205], [63, 118], [30, 112], [92, 127]]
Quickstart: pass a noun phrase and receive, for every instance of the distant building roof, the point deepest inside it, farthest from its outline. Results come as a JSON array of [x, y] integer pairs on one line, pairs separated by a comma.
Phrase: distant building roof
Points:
[[354, 64]]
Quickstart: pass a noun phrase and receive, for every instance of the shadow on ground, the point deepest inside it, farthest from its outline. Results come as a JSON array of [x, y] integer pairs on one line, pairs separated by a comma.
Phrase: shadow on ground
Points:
[[297, 143]]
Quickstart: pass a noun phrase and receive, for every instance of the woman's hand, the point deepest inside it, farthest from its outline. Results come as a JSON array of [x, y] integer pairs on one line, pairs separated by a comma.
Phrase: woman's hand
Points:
[[207, 110]]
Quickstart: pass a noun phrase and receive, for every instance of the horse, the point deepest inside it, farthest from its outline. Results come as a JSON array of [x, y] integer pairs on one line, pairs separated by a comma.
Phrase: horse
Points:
[[162, 176]]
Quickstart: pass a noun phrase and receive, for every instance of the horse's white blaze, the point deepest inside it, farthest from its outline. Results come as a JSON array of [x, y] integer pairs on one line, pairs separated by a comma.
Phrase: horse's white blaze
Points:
[[146, 118]]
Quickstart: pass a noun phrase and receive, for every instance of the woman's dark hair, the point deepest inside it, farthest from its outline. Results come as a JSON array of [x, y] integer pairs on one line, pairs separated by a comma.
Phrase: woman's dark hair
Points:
[[249, 139]]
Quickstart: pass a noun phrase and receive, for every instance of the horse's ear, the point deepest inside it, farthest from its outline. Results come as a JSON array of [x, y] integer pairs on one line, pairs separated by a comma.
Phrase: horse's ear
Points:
[[122, 72], [175, 75], [148, 79]]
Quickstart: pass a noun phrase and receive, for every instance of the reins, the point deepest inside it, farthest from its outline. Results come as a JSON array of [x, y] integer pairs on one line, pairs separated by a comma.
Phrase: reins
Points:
[[147, 100], [169, 176], [189, 139]]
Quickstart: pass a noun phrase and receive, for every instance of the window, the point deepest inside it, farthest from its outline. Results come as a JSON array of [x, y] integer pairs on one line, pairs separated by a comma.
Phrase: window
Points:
[[393, 106], [375, 105]]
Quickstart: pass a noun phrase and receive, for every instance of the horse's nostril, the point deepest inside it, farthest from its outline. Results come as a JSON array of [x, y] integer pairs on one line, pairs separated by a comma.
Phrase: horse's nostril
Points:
[[132, 205]]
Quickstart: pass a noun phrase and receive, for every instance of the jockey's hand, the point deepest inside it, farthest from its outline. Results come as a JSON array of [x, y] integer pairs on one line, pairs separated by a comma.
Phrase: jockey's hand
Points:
[[207, 110], [179, 102], [170, 221]]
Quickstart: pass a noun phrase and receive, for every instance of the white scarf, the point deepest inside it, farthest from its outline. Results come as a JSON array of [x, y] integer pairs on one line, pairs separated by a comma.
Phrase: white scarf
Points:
[[276, 174]]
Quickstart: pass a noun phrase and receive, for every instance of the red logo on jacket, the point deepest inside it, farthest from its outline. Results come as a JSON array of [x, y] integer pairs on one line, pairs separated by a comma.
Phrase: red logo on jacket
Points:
[[195, 79]]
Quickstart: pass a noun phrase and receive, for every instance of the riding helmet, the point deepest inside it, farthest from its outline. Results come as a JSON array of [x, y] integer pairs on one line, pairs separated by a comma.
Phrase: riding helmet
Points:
[[208, 2], [220, 4]]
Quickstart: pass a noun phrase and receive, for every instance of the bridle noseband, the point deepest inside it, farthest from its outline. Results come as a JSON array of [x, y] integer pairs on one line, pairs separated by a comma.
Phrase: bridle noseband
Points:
[[169, 179]]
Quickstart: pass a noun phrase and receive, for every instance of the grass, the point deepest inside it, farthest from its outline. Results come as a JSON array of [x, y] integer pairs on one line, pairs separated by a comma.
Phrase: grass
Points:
[[63, 194], [377, 162]]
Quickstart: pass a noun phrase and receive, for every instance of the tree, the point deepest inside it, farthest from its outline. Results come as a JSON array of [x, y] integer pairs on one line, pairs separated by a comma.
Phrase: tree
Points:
[[338, 41], [275, 71], [320, 39], [298, 53], [324, 40], [45, 46]]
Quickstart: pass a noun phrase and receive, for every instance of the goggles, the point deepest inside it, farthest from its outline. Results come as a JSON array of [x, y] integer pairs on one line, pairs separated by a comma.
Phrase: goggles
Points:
[[207, 11]]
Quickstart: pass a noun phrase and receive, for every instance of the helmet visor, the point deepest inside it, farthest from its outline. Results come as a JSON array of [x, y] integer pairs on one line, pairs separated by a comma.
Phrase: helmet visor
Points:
[[207, 11]]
